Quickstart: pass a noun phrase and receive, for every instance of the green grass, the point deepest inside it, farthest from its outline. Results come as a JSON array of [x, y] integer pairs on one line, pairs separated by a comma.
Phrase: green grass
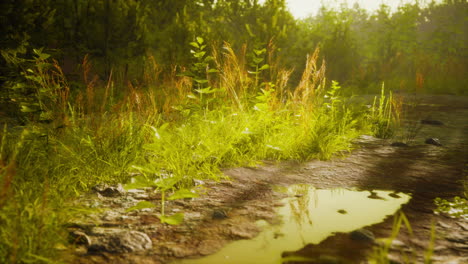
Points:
[[168, 131]]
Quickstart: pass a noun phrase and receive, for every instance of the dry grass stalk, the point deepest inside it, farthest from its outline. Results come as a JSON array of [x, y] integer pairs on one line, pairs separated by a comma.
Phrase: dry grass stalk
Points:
[[313, 79], [233, 74]]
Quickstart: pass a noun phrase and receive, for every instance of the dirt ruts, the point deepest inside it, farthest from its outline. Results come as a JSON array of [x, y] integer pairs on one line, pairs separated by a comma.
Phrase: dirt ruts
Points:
[[425, 170]]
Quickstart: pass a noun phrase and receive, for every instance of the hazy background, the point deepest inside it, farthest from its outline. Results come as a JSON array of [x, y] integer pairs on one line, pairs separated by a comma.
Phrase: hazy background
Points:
[[303, 8]]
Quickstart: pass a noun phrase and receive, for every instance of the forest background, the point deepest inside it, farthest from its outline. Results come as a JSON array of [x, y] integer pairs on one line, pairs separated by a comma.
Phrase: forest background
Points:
[[97, 91], [415, 47]]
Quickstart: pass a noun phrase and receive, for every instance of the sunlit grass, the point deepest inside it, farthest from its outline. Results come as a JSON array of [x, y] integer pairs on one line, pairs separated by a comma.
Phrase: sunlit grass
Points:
[[166, 128]]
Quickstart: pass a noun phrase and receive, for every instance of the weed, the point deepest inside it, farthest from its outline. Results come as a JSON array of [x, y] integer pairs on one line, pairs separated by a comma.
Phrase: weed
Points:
[[385, 115]]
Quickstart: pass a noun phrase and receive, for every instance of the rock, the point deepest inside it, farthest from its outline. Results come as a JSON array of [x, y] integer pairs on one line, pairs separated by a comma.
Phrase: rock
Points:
[[433, 141], [219, 214], [363, 235], [109, 190], [122, 241], [431, 122], [399, 144], [78, 237]]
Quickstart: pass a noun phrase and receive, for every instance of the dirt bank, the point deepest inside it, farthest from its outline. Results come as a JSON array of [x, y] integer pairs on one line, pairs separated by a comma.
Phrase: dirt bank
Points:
[[229, 209]]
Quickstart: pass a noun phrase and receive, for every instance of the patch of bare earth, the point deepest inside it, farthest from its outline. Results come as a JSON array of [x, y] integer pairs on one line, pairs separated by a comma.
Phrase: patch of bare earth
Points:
[[230, 209]]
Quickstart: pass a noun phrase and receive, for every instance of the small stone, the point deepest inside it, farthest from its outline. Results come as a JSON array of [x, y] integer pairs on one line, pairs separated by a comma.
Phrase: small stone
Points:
[[399, 144], [120, 242], [197, 182], [109, 190], [78, 237], [433, 141], [432, 122], [219, 214], [342, 211]]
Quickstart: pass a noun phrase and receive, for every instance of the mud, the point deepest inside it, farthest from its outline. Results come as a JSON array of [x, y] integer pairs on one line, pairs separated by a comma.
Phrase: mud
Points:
[[424, 170]]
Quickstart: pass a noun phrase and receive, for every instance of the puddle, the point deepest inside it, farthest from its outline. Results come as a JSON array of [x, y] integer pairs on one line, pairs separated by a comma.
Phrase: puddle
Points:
[[308, 216]]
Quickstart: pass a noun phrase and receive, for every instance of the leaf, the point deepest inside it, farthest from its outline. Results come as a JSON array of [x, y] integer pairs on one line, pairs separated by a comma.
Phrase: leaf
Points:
[[166, 183], [183, 193], [174, 219], [28, 109], [141, 205], [192, 96], [199, 54], [264, 67], [195, 45], [257, 60], [201, 81], [259, 52], [213, 71], [208, 59], [247, 26], [156, 133], [200, 40]]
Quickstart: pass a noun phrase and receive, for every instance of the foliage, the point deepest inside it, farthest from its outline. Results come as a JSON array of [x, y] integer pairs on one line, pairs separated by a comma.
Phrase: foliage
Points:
[[162, 184], [105, 139], [385, 115], [416, 47], [112, 103], [457, 208]]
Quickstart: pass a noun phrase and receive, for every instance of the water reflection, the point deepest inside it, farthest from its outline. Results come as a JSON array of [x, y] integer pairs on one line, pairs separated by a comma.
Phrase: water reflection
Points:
[[309, 216]]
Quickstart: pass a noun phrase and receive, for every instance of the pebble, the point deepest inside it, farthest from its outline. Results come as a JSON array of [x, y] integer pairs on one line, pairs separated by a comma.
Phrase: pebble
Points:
[[433, 141]]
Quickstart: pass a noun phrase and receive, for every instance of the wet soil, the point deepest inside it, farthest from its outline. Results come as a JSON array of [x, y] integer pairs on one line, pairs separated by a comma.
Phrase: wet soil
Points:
[[230, 208]]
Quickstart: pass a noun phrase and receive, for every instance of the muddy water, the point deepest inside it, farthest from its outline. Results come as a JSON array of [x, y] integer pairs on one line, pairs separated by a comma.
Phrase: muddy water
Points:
[[308, 216]]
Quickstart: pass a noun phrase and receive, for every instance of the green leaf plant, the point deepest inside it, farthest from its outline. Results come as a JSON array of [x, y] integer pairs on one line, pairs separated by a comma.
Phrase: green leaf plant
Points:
[[199, 71], [153, 176], [163, 184], [258, 64]]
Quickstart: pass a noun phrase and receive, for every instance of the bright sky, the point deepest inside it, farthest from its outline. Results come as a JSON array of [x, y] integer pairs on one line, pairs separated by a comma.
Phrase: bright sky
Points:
[[303, 8]]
